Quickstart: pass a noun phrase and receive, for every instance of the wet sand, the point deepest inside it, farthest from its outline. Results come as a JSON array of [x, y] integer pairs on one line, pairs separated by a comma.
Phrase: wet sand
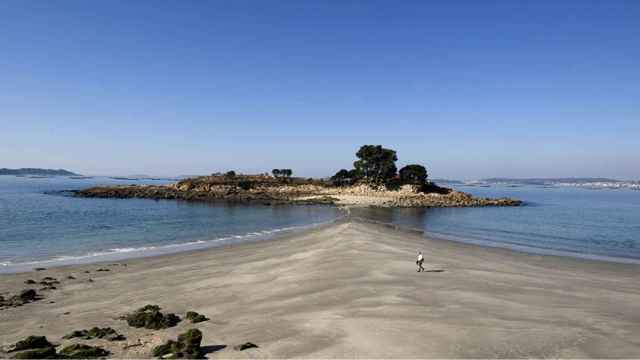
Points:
[[349, 290]]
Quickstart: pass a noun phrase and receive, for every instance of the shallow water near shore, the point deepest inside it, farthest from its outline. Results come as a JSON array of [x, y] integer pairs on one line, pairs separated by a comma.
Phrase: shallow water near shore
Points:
[[39, 226], [584, 223]]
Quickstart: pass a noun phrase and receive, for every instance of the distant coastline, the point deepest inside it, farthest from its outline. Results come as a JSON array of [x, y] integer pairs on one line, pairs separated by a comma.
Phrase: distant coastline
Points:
[[577, 182], [37, 172]]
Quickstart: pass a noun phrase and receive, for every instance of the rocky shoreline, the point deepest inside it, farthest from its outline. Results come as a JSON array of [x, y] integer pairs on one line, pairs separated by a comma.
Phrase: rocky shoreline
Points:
[[268, 191]]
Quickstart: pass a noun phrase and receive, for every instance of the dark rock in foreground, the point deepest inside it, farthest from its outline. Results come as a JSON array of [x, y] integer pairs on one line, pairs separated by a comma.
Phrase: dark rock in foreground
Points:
[[33, 347], [150, 317], [187, 346], [32, 342], [82, 351], [38, 347], [25, 296], [194, 317], [42, 353], [28, 295], [49, 283], [96, 333], [245, 346]]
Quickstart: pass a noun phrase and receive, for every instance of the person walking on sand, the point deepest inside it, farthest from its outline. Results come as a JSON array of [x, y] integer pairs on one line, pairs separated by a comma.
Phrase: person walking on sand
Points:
[[420, 261]]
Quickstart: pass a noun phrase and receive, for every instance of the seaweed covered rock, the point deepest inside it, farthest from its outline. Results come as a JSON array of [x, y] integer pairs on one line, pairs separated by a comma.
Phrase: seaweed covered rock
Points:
[[191, 340], [42, 353], [187, 347], [245, 346], [194, 317], [33, 347], [31, 342], [169, 349], [28, 295], [150, 317], [82, 351], [49, 282], [38, 347], [25, 296], [96, 333]]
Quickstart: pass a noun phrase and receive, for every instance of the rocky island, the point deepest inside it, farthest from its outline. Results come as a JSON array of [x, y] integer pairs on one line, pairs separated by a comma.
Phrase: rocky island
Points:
[[374, 181], [268, 191]]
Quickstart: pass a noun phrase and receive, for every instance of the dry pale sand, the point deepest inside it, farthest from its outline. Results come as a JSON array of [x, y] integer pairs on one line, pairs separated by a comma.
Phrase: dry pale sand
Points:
[[351, 290]]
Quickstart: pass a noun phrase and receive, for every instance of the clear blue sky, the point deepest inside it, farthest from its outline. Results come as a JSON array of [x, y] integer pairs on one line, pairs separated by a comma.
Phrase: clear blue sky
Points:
[[471, 89]]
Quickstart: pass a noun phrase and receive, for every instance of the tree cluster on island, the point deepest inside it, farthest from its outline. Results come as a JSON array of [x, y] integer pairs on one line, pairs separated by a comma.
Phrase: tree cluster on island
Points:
[[376, 166], [282, 174]]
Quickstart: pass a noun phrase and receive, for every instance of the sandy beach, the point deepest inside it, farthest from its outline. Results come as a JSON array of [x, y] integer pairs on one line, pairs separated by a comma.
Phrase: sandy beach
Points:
[[349, 290]]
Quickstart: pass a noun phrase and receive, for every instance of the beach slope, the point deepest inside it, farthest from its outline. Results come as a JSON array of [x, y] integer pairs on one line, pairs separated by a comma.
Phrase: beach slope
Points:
[[349, 290]]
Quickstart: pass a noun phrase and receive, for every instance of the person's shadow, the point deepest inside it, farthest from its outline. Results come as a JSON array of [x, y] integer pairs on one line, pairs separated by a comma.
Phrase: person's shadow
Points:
[[434, 271]]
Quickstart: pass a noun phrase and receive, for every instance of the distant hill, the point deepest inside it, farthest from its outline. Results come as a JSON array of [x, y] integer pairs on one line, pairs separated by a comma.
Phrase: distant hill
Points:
[[446, 181], [547, 181], [35, 171]]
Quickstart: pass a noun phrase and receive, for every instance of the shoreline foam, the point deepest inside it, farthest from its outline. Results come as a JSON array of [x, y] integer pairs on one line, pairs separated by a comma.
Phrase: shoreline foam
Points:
[[120, 254]]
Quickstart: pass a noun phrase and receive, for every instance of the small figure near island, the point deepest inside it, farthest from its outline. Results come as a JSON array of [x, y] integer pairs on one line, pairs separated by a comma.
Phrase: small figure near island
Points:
[[420, 261]]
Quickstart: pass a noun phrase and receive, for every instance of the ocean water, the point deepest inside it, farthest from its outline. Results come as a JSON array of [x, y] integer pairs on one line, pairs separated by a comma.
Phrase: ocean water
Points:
[[41, 227], [584, 223]]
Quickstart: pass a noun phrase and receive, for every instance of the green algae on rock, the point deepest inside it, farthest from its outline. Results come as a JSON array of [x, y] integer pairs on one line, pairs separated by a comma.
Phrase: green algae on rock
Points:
[[31, 342], [33, 347], [96, 333], [82, 351], [187, 346], [194, 317], [41, 353], [25, 296], [150, 317]]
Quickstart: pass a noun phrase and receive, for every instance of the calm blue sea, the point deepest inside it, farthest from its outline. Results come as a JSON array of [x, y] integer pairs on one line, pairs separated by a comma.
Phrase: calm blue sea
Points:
[[585, 223], [40, 228]]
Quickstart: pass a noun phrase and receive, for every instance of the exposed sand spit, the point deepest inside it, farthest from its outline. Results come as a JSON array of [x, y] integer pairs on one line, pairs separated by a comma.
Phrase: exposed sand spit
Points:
[[351, 290]]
